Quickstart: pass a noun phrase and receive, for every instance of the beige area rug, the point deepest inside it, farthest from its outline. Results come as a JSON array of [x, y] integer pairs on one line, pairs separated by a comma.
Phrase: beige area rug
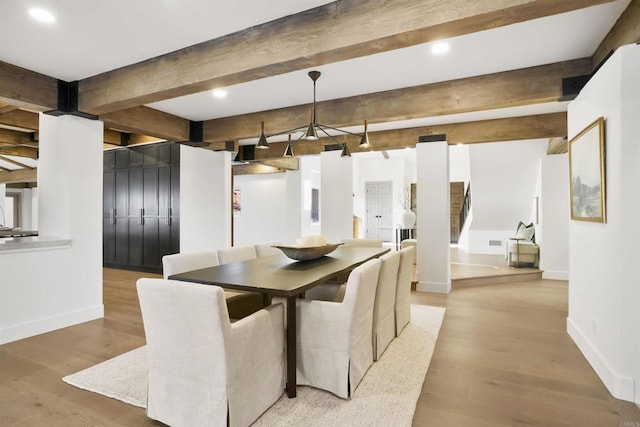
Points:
[[386, 396]]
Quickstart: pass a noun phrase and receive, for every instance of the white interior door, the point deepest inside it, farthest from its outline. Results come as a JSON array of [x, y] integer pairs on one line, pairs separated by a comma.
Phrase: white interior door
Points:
[[379, 210]]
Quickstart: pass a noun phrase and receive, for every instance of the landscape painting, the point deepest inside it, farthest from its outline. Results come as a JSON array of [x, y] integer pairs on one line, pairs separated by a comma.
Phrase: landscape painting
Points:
[[587, 171]]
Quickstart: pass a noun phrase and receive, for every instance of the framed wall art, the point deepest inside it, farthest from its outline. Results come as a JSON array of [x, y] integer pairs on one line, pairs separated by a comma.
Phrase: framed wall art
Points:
[[587, 173]]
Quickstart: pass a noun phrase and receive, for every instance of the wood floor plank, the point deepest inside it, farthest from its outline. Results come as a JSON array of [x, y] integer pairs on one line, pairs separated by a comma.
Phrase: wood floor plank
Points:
[[503, 358]]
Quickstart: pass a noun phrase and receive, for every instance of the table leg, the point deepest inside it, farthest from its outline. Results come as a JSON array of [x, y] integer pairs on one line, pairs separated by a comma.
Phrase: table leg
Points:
[[291, 346]]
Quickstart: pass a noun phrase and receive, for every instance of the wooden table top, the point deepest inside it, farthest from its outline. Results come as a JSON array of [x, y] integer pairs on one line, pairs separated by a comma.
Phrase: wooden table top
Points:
[[278, 275]]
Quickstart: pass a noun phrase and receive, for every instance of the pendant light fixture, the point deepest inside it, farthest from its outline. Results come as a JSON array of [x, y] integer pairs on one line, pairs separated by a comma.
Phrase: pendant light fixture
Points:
[[312, 130], [262, 142], [288, 152]]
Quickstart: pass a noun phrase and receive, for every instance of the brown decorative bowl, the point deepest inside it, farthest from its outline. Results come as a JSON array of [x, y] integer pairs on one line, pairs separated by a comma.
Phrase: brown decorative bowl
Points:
[[305, 253]]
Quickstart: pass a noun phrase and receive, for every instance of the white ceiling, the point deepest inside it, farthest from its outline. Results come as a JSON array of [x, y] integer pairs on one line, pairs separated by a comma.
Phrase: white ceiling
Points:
[[94, 36]]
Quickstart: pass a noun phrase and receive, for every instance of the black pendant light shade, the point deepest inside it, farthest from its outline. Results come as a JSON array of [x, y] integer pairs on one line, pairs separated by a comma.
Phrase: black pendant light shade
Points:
[[262, 142], [288, 152], [364, 141]]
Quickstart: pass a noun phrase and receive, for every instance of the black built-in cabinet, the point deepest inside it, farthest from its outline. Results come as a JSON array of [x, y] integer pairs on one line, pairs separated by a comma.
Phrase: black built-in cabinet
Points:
[[141, 209]]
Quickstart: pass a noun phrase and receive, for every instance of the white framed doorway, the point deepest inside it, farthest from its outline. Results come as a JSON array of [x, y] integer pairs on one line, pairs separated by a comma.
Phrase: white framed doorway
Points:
[[379, 210]]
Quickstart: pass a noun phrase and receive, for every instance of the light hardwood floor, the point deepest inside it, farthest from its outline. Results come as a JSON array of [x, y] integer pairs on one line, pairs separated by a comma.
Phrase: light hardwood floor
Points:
[[503, 358]]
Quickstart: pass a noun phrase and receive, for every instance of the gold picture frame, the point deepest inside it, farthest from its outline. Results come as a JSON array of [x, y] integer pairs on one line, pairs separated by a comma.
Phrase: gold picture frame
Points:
[[587, 174]]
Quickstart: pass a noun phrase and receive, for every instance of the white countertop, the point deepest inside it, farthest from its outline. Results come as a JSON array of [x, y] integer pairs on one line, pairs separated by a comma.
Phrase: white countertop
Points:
[[17, 244]]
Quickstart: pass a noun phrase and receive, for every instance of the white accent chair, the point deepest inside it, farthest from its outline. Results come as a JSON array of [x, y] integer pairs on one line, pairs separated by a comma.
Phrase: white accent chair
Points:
[[239, 304], [403, 290], [203, 369], [384, 316], [236, 254], [334, 339], [522, 250], [267, 249], [366, 243]]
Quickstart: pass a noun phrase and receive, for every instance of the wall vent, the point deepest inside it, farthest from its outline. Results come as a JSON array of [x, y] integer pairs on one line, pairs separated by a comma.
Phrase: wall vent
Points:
[[495, 242]]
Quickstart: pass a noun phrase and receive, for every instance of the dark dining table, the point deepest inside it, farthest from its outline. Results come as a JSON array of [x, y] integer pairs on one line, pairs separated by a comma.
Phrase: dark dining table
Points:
[[277, 275]]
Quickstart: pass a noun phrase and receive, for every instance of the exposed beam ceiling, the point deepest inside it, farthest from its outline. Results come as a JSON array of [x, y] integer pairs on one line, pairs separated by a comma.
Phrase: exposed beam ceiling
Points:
[[19, 151], [511, 129], [506, 89], [27, 89], [625, 31], [358, 28]]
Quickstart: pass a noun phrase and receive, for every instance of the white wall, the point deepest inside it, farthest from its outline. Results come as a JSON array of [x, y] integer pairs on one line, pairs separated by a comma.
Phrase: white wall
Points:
[[434, 217], [336, 196], [604, 296], [44, 290], [310, 178], [503, 178], [205, 199], [459, 166], [553, 234], [264, 205]]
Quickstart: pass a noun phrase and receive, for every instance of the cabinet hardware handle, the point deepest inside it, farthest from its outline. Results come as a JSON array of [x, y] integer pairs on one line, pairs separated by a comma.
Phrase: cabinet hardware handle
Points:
[[169, 216], [141, 216], [112, 216]]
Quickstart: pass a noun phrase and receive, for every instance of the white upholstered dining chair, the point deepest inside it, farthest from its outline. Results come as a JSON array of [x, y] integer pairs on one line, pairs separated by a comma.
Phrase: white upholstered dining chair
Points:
[[236, 254], [334, 339], [384, 316], [239, 304], [403, 289], [363, 243], [267, 248], [203, 369]]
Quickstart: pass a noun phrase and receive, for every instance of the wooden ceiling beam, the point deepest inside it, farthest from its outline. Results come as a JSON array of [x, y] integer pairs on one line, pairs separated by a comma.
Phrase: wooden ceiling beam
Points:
[[334, 32], [5, 108], [20, 175], [10, 150], [499, 90], [626, 30], [147, 121], [21, 119], [14, 137], [27, 89], [496, 130]]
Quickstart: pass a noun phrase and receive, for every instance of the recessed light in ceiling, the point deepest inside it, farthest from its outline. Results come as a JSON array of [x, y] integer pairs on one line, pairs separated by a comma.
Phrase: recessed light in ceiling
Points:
[[42, 15], [440, 48], [219, 93]]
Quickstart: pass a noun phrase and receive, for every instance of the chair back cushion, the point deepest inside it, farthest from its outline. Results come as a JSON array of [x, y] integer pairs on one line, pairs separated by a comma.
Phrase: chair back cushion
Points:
[[185, 325], [359, 298], [266, 249], [403, 290], [367, 243], [187, 261], [384, 327], [236, 253]]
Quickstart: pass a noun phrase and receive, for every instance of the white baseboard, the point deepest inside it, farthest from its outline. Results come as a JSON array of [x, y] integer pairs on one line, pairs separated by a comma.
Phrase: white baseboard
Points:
[[555, 275], [436, 287], [48, 324], [620, 387]]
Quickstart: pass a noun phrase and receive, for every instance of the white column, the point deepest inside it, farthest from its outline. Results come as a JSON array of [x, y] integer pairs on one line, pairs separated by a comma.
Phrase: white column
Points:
[[336, 196], [433, 222], [43, 290], [205, 199], [293, 228], [3, 188], [554, 217]]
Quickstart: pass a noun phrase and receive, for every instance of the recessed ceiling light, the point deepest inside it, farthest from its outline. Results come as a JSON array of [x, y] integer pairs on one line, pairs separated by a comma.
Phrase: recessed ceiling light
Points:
[[440, 48], [219, 93], [42, 15]]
